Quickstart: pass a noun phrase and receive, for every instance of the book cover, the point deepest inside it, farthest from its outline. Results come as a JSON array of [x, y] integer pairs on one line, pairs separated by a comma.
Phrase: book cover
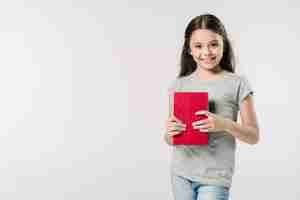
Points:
[[184, 107]]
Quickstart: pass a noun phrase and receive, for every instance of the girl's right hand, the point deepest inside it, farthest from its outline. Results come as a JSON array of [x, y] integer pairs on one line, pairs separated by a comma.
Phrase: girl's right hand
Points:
[[174, 126]]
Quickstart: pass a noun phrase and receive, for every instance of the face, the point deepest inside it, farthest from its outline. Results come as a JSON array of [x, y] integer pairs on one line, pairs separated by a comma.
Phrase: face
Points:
[[206, 48]]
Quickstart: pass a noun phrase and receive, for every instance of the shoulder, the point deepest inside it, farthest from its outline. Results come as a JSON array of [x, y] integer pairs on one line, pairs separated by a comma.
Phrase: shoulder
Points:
[[236, 79], [235, 76], [174, 85], [182, 79]]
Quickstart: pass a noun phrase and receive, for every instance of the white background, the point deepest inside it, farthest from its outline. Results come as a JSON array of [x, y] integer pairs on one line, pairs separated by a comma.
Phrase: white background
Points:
[[84, 96]]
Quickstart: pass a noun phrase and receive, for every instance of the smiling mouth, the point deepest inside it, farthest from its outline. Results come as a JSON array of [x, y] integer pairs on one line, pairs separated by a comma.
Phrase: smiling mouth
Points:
[[208, 60]]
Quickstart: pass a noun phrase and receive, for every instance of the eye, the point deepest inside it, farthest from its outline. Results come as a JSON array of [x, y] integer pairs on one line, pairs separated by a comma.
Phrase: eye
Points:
[[198, 46], [214, 44]]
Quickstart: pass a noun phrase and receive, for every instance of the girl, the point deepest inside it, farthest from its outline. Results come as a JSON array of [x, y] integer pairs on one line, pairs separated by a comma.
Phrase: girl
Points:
[[201, 172]]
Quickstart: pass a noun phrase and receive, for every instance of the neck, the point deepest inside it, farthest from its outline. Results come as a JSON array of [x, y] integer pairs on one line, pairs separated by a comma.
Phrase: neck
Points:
[[209, 74]]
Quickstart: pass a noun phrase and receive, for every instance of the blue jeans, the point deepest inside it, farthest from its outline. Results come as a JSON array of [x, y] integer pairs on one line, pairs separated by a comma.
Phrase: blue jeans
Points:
[[184, 189]]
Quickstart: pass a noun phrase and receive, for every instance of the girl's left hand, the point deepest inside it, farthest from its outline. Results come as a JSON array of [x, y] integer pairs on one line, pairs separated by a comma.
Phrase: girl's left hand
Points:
[[213, 122]]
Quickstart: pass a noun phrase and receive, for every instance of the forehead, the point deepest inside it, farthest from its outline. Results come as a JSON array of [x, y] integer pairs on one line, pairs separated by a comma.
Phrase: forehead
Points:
[[204, 36]]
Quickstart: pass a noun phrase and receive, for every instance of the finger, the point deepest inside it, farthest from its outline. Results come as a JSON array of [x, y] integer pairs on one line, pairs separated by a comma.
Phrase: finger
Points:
[[172, 133], [206, 126], [204, 121], [204, 130], [178, 122], [207, 129], [171, 119], [170, 130], [176, 128], [202, 112], [174, 118]]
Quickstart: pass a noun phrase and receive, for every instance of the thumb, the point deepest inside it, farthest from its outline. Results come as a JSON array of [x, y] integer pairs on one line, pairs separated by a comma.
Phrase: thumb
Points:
[[174, 118], [202, 112]]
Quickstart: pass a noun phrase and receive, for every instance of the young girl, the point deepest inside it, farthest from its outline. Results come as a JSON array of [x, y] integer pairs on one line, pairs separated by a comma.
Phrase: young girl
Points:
[[201, 172]]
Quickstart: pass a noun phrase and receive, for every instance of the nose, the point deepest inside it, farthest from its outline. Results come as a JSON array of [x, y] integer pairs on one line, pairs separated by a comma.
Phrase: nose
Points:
[[205, 50]]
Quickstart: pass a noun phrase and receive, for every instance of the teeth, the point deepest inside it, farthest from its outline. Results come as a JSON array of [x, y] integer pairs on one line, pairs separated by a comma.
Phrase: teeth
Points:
[[208, 59]]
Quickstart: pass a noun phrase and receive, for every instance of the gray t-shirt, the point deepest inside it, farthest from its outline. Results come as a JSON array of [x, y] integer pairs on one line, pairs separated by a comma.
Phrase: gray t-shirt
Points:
[[212, 163]]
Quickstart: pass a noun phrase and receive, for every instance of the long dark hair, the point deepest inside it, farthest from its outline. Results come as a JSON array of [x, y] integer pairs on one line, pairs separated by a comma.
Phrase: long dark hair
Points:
[[212, 23]]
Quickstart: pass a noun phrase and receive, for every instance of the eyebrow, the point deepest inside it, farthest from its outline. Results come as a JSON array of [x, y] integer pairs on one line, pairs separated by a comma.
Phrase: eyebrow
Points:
[[208, 42]]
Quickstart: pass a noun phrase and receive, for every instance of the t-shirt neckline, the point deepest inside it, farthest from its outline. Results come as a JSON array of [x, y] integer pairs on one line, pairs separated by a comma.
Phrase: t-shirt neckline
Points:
[[196, 77]]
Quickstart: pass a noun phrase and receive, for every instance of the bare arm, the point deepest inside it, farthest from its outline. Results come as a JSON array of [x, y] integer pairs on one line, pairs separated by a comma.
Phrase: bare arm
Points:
[[173, 125], [167, 137], [248, 130]]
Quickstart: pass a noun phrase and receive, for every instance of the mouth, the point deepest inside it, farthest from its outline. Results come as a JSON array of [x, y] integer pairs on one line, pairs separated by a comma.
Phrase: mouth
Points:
[[208, 60]]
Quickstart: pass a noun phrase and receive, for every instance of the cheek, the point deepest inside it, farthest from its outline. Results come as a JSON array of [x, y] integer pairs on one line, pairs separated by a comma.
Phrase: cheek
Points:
[[195, 53], [219, 52], [195, 50]]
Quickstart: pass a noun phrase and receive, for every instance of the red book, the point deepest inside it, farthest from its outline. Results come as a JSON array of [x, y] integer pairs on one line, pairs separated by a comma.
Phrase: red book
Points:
[[185, 106]]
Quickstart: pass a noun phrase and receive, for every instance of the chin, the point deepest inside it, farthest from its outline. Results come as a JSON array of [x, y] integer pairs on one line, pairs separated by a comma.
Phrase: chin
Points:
[[208, 67]]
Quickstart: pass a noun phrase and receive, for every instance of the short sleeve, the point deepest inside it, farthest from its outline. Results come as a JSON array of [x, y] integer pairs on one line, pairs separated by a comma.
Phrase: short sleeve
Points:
[[174, 86], [244, 90]]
